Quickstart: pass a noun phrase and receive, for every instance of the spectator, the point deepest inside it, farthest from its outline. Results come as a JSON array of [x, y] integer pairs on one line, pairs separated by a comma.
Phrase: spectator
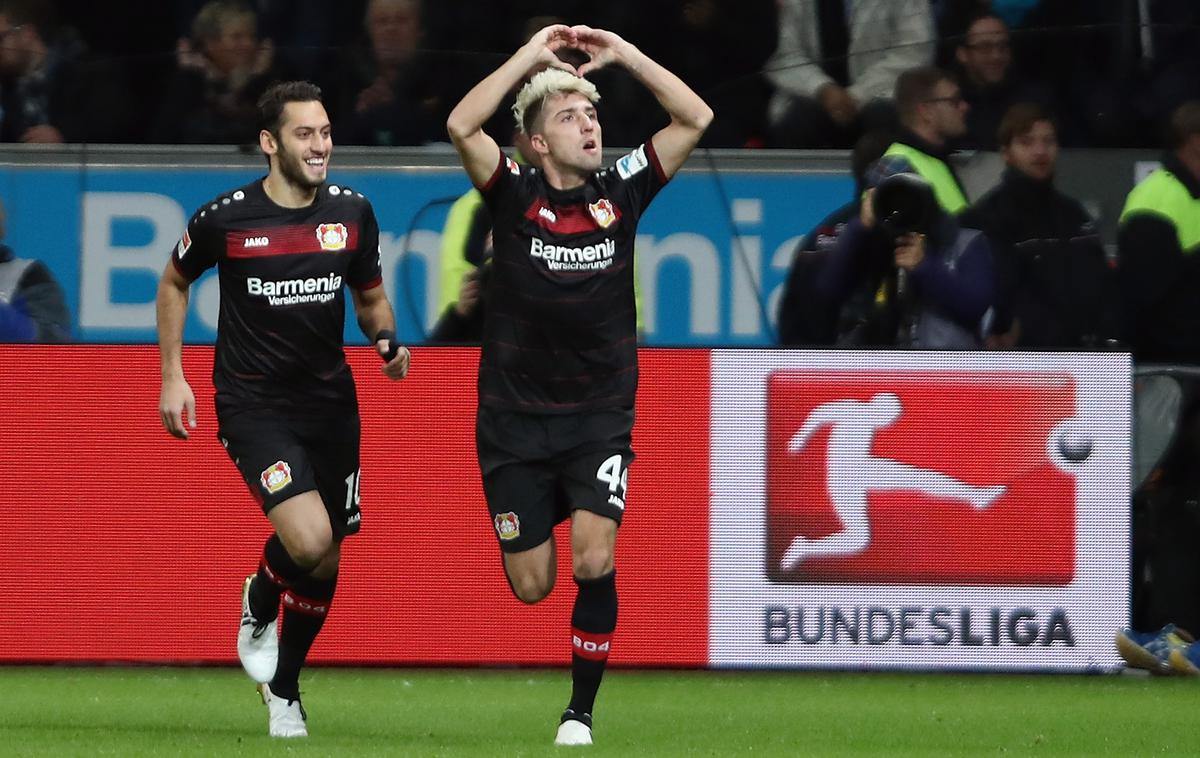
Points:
[[932, 114], [989, 82], [742, 33], [220, 74], [1055, 289], [1121, 66], [802, 318], [388, 90], [299, 30], [1158, 241], [51, 92], [836, 63], [33, 307], [927, 286]]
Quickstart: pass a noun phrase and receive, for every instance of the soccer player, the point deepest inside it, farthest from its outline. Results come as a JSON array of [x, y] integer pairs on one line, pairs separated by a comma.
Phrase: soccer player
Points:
[[558, 369], [287, 411]]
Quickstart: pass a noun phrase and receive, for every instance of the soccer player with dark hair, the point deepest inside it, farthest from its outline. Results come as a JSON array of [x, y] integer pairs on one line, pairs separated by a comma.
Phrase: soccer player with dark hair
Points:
[[284, 247], [558, 369]]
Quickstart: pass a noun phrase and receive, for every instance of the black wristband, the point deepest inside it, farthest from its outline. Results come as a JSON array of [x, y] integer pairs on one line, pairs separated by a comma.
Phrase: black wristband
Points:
[[393, 346]]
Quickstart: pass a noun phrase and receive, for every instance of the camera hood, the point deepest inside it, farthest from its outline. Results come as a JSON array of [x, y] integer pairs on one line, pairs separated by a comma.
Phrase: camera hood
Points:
[[904, 203]]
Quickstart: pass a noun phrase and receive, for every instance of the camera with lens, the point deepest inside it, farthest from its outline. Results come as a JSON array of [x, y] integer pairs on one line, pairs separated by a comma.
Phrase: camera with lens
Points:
[[904, 203]]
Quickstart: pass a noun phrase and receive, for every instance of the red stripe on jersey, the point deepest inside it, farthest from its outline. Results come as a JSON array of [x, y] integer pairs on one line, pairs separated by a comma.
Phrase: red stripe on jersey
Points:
[[570, 220], [291, 240], [589, 645], [301, 604]]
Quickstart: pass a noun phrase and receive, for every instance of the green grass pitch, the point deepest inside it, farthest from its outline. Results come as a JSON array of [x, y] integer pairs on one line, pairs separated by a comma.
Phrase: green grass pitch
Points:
[[69, 711]]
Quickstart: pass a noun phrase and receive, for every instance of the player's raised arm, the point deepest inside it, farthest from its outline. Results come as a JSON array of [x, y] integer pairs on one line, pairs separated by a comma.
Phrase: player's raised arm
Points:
[[479, 152], [690, 115], [175, 396]]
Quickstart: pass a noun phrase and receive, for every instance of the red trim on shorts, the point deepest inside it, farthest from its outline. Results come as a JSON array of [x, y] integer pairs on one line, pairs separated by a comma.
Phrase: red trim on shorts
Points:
[[306, 605], [589, 645]]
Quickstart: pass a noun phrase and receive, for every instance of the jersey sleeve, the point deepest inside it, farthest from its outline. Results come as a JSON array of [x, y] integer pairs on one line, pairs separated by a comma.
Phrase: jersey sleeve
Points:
[[365, 270], [199, 247], [639, 176], [501, 190]]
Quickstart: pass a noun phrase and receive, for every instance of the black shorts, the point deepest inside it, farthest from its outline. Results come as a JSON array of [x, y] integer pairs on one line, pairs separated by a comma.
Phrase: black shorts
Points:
[[281, 457], [537, 469]]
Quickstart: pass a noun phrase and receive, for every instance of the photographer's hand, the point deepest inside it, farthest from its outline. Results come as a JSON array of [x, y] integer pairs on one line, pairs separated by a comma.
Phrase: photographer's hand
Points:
[[866, 209], [910, 250]]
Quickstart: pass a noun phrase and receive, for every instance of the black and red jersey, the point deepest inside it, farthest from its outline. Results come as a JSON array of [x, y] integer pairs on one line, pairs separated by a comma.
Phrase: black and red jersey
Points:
[[561, 328], [282, 274]]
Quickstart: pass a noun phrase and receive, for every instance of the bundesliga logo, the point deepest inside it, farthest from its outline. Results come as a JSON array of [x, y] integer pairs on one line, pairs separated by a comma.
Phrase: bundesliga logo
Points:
[[925, 478]]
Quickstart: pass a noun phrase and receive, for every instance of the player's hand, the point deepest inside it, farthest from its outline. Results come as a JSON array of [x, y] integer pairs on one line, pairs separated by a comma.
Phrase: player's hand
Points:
[[545, 44], [910, 250], [174, 399], [602, 47], [397, 368]]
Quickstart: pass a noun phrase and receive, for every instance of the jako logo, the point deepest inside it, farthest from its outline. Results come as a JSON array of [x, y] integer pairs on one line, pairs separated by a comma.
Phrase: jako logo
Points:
[[921, 477], [256, 242]]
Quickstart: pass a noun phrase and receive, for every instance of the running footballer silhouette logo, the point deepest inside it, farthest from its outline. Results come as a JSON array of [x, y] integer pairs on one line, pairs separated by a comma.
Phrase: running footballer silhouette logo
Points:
[[923, 477], [853, 472]]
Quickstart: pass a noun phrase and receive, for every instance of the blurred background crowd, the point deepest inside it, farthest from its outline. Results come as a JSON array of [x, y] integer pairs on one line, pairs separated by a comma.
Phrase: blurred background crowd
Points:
[[779, 73]]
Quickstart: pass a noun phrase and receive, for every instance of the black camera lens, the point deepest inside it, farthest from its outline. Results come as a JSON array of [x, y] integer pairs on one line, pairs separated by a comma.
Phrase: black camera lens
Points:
[[903, 204]]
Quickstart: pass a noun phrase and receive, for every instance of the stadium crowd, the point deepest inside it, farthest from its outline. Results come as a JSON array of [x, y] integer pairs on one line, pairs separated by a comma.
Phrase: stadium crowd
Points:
[[796, 73], [903, 82]]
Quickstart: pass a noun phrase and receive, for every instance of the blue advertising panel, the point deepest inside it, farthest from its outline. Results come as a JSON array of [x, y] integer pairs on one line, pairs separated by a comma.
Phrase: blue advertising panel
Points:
[[713, 251]]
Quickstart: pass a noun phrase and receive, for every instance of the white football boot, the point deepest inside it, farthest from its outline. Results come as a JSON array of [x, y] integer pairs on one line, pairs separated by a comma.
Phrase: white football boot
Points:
[[575, 729], [257, 643], [285, 718]]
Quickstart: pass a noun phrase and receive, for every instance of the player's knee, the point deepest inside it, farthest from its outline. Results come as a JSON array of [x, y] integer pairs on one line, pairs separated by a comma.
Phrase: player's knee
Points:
[[530, 588], [310, 549], [592, 562]]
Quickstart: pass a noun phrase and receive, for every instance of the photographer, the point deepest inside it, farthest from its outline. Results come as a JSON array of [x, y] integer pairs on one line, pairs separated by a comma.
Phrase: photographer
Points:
[[904, 273]]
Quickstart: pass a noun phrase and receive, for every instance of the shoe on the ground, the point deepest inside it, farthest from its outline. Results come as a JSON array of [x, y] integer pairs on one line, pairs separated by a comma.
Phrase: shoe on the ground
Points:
[[574, 729], [285, 717], [257, 642], [1152, 651], [1185, 660]]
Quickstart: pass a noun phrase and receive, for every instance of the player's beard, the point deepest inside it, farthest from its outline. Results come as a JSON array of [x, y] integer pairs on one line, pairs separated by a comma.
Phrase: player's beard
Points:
[[292, 167]]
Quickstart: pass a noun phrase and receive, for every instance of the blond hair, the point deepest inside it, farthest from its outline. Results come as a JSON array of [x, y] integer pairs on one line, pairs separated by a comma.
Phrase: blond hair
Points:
[[544, 85]]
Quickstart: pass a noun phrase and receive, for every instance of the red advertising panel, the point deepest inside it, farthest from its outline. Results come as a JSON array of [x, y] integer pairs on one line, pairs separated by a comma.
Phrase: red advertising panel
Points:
[[930, 477], [126, 544]]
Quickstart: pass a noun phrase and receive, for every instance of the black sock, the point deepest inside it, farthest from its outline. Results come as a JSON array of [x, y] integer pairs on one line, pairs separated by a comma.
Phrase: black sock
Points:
[[304, 607], [276, 572], [592, 625]]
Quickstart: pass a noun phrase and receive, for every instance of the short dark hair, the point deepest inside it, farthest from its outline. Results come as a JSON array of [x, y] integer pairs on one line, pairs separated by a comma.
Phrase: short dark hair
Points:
[[1019, 119], [272, 102], [975, 18], [915, 86], [1185, 123]]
